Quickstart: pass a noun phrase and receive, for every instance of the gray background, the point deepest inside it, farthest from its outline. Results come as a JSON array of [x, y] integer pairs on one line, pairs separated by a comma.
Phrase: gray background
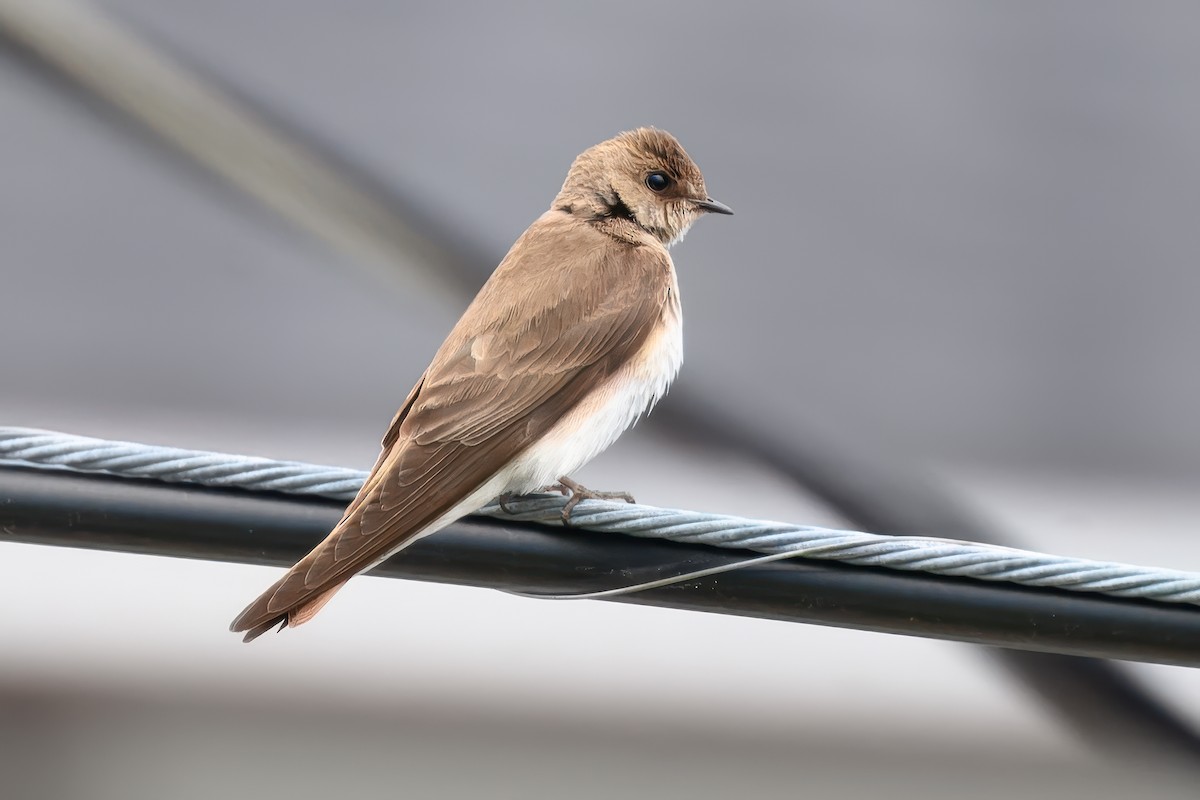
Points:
[[969, 227], [966, 232]]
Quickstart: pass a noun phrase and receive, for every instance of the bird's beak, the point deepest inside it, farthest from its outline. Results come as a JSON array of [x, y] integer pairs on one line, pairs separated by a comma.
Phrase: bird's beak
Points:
[[709, 204]]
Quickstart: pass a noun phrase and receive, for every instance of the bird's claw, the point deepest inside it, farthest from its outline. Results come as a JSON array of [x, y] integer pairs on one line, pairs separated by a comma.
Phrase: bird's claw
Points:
[[579, 493], [509, 497], [574, 491]]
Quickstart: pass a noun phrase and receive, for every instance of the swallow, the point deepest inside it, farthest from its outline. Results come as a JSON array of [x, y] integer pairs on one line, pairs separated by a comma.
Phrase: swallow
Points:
[[574, 337]]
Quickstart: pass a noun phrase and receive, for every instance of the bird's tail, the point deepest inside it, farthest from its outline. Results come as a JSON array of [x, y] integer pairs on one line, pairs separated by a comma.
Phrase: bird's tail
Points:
[[264, 614]]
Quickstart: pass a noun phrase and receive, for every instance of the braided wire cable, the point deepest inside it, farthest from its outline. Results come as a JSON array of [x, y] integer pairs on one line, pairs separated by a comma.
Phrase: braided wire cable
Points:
[[31, 447], [35, 447]]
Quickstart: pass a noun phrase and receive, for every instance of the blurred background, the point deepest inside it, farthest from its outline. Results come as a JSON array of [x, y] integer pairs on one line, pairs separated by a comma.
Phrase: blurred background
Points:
[[966, 238]]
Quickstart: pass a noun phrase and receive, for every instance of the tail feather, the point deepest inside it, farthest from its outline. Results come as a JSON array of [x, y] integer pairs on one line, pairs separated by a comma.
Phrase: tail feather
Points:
[[289, 601], [259, 630], [309, 608], [266, 613], [256, 620]]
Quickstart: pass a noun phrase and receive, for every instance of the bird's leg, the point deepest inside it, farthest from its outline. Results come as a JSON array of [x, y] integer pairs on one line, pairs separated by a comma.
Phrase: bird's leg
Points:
[[580, 492], [565, 486], [509, 497]]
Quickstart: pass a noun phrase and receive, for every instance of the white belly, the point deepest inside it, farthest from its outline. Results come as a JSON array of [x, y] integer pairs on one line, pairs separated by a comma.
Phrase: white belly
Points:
[[603, 415]]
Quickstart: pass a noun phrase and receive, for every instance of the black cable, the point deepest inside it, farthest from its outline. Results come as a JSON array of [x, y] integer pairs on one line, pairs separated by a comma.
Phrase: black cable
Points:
[[1102, 703]]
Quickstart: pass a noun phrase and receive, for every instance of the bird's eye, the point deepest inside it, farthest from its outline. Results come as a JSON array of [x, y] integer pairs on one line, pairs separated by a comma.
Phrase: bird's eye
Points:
[[658, 181]]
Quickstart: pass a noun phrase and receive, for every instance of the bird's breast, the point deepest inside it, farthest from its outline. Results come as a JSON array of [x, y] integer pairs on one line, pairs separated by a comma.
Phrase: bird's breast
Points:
[[608, 410]]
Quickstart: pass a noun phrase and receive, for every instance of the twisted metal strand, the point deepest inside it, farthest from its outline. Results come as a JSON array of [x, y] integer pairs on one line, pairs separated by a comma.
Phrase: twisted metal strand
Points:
[[175, 465]]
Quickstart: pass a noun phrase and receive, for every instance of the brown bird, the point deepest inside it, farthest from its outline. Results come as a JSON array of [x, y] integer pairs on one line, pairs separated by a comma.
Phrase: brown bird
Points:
[[576, 334]]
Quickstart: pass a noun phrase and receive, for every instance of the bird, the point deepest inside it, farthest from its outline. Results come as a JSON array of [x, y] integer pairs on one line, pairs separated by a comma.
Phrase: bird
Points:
[[576, 335]]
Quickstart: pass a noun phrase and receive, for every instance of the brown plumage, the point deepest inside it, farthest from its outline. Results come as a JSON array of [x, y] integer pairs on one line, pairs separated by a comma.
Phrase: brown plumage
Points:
[[573, 337]]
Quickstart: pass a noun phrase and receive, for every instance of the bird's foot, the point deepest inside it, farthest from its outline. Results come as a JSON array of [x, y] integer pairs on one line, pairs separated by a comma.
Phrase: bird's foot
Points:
[[579, 492], [576, 491], [510, 497]]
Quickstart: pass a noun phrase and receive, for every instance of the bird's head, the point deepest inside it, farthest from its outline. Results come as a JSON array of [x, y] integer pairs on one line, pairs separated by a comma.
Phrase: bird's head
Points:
[[643, 175]]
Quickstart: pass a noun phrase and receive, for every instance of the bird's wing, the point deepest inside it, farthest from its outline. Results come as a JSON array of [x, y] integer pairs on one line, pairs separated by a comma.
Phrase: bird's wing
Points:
[[562, 312]]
